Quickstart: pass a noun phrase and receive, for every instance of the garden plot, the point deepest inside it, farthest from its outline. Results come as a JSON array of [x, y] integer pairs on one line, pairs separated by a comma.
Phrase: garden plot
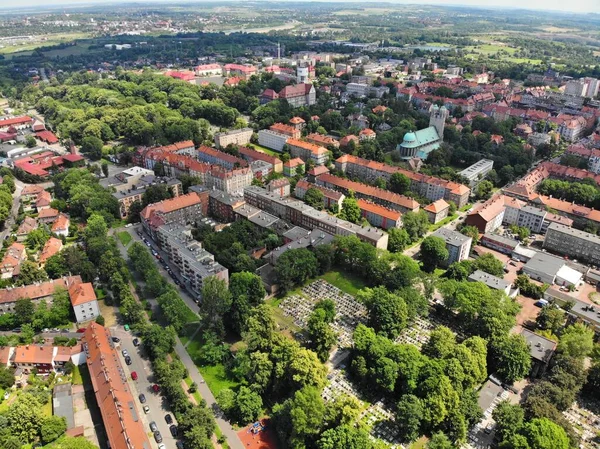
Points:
[[349, 312]]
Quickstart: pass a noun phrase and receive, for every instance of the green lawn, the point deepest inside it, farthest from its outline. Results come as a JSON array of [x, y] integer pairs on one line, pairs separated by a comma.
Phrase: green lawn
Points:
[[281, 319], [196, 394], [77, 378], [124, 237], [445, 221], [346, 282], [216, 378], [466, 207], [265, 150]]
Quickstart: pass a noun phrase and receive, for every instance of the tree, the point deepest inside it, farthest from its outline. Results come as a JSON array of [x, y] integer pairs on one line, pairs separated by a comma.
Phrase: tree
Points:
[[460, 271], [52, 428], [247, 291], [25, 417], [471, 231], [321, 336], [399, 183], [158, 340], [577, 341], [7, 378], [156, 193], [174, 308], [226, 400], [441, 344], [328, 307], [248, 405], [398, 239], [30, 141], [541, 433], [509, 419], [487, 262], [433, 252], [24, 310], [314, 197], [104, 166], [346, 436], [37, 238], [416, 224], [484, 190], [550, 318], [387, 311], [96, 227], [439, 441], [511, 357], [92, 146], [216, 301], [294, 267], [350, 210], [73, 443], [409, 410]]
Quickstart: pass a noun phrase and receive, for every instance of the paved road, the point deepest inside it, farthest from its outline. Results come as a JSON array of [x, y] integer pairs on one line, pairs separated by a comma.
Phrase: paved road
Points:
[[226, 428], [159, 406]]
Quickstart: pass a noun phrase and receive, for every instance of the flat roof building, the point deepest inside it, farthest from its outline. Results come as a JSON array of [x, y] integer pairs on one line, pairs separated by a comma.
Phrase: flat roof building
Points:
[[572, 242], [476, 172], [491, 281], [457, 244]]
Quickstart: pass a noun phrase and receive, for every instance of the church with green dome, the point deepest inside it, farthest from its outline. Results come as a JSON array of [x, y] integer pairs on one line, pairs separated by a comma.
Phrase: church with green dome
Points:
[[422, 142]]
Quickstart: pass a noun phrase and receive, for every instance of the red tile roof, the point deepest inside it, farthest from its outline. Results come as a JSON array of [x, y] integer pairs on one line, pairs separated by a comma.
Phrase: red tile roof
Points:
[[52, 247], [293, 162], [367, 206], [285, 129], [246, 69], [297, 120], [258, 155], [16, 121], [121, 417], [48, 213], [73, 157], [437, 206], [61, 224], [296, 90], [47, 136], [314, 149], [222, 156], [82, 293], [33, 354], [171, 205], [36, 291]]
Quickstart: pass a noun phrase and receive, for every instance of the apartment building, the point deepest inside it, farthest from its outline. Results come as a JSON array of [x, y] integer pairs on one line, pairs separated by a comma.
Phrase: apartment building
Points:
[[301, 214], [532, 218], [573, 243], [121, 417], [234, 137], [331, 198], [229, 181], [184, 209], [84, 302], [279, 186], [194, 262], [457, 244], [437, 211], [293, 167], [43, 291], [289, 130], [308, 151], [376, 195], [488, 216], [252, 155], [136, 193], [357, 89], [430, 187], [379, 216], [216, 157], [242, 71], [222, 205], [324, 141], [297, 95], [209, 70], [272, 139], [592, 156]]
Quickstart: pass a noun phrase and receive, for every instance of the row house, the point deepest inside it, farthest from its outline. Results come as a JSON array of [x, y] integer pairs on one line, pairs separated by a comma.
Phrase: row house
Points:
[[216, 157], [252, 155], [308, 151], [379, 196], [332, 199], [38, 292], [22, 122], [429, 187], [233, 137], [379, 216], [208, 70], [41, 359]]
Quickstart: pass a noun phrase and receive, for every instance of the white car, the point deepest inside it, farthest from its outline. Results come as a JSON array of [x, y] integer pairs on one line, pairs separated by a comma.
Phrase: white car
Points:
[[162, 446]]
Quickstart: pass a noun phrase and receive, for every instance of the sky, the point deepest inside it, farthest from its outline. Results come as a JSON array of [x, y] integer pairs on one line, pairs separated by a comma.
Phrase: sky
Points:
[[577, 6]]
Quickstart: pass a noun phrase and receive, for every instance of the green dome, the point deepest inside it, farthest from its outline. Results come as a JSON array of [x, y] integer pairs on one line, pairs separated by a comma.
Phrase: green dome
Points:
[[409, 137]]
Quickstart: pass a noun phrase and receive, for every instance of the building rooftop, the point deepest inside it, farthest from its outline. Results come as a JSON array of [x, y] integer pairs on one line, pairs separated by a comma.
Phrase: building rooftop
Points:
[[574, 232], [545, 263], [491, 281], [474, 170], [171, 205], [312, 239], [82, 293], [453, 238], [540, 348], [36, 291]]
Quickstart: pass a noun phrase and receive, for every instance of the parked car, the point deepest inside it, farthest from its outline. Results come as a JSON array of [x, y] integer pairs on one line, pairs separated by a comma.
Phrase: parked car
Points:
[[136, 342], [153, 426], [134, 375], [142, 398], [157, 437], [116, 339], [179, 445], [81, 330], [125, 353], [146, 409], [173, 430], [168, 419], [155, 388], [128, 360], [162, 446]]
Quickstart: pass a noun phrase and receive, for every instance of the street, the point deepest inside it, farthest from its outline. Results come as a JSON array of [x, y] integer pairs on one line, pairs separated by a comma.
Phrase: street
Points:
[[224, 425], [159, 406]]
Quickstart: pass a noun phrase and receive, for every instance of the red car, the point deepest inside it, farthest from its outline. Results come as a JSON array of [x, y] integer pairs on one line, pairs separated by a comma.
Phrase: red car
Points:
[[81, 330], [156, 388], [134, 375]]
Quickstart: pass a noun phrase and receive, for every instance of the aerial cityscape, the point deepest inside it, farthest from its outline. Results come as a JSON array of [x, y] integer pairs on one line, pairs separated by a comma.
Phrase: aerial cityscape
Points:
[[300, 225]]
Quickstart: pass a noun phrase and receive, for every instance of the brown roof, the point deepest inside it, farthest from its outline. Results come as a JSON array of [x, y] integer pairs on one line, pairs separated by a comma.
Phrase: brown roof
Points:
[[321, 140], [28, 225], [52, 247], [314, 149], [5, 353], [284, 129], [33, 354], [222, 155], [344, 141], [296, 90], [259, 155], [48, 213], [43, 199], [32, 189], [327, 193], [318, 170], [437, 206], [490, 209], [170, 205], [297, 120], [121, 417], [294, 162], [63, 354], [36, 291], [82, 293]]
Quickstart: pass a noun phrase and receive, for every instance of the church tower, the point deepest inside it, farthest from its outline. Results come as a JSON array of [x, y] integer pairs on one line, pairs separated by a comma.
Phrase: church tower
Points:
[[437, 119]]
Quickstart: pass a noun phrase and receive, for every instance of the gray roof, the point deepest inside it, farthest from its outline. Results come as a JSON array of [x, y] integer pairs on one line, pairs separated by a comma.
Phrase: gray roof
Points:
[[315, 238], [296, 233], [453, 238], [263, 219], [225, 198], [540, 348], [534, 211], [501, 239], [574, 232], [474, 170], [544, 263], [62, 403], [491, 281]]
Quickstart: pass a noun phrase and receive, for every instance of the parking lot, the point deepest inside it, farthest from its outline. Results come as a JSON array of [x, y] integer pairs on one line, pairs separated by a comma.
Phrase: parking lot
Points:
[[157, 404]]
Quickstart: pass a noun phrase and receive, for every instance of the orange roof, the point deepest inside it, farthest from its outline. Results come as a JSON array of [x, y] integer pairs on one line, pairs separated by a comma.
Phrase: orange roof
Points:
[[293, 162], [437, 206], [367, 206], [122, 420], [347, 139], [43, 199], [32, 189], [28, 225], [297, 120], [36, 291], [314, 149], [48, 213], [379, 109], [284, 129], [321, 140], [16, 120], [52, 247], [61, 223], [170, 205], [5, 353], [82, 293], [63, 354], [367, 132], [318, 170], [490, 209], [33, 354]]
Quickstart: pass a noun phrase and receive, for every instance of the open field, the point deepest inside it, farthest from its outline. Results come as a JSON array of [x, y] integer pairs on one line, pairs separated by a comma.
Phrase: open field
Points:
[[124, 237], [71, 50], [346, 282], [39, 41]]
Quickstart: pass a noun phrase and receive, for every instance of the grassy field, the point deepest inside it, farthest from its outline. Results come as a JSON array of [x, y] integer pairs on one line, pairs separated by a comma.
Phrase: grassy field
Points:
[[77, 379], [216, 378], [265, 150], [282, 320], [39, 41], [124, 237], [346, 282], [445, 221]]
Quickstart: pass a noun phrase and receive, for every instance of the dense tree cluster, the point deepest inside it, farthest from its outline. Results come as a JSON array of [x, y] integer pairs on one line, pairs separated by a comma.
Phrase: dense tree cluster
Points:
[[586, 192]]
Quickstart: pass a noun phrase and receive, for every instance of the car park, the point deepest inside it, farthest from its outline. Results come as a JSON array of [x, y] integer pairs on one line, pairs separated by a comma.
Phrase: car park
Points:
[[168, 419], [142, 398], [157, 437], [153, 426], [155, 388]]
